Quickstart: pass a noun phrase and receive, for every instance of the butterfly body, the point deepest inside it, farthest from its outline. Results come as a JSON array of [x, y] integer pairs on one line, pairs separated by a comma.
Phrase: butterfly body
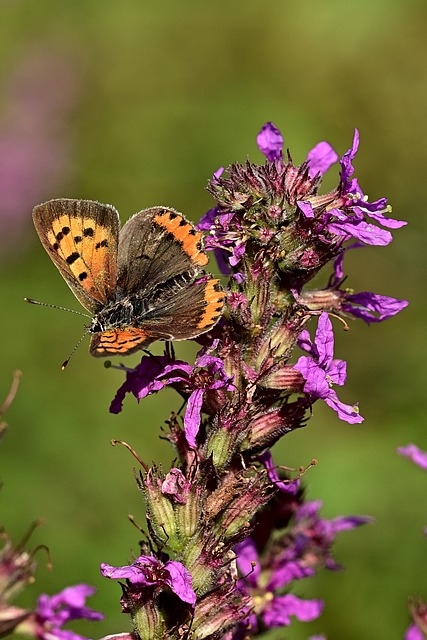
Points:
[[142, 283]]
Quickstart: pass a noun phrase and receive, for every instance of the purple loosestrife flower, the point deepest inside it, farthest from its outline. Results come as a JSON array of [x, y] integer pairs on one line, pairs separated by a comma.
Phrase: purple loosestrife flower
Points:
[[314, 536], [271, 608], [141, 381], [224, 505], [154, 373], [278, 206], [53, 612], [345, 215], [148, 572], [367, 306], [418, 629], [290, 541], [208, 374], [320, 370], [412, 452], [417, 608]]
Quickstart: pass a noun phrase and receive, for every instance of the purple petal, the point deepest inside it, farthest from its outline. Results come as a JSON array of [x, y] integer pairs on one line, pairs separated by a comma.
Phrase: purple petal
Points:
[[192, 416], [119, 636], [292, 570], [132, 573], [66, 605], [247, 554], [208, 220], [346, 161], [338, 269], [345, 523], [306, 208], [363, 231], [414, 633], [282, 607], [222, 259], [239, 251], [215, 363], [369, 304], [324, 340], [390, 223], [178, 366], [345, 412], [321, 158], [117, 402], [270, 141], [141, 381], [338, 263], [413, 453], [181, 581], [337, 372], [218, 173], [309, 510], [76, 595], [176, 486], [316, 383], [305, 343]]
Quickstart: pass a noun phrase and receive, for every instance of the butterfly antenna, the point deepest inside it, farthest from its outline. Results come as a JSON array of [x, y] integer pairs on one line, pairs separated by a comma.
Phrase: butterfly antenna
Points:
[[55, 306], [65, 363], [79, 313]]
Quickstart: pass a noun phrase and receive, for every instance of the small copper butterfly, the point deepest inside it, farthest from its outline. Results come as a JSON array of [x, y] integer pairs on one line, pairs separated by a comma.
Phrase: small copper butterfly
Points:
[[141, 283]]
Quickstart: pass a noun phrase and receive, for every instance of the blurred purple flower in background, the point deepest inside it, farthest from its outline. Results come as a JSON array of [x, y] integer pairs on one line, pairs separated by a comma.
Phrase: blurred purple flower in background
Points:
[[412, 452], [34, 141]]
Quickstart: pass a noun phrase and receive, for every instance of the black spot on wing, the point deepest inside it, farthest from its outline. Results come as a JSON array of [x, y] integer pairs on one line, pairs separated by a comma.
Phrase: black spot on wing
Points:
[[72, 257]]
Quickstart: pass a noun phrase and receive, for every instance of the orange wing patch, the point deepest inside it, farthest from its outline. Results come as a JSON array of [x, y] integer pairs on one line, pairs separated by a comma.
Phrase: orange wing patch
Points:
[[119, 341], [184, 232], [86, 248], [214, 304]]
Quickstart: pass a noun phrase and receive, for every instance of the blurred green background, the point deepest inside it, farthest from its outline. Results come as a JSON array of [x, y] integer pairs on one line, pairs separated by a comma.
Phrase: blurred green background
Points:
[[136, 104]]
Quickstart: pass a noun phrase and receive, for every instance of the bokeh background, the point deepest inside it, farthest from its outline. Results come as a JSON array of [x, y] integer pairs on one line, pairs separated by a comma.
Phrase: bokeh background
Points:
[[137, 103]]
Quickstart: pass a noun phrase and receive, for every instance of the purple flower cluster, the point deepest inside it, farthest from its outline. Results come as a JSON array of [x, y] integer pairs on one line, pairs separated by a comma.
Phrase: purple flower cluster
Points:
[[417, 630], [228, 535], [303, 547], [47, 620], [55, 611], [155, 373], [290, 197]]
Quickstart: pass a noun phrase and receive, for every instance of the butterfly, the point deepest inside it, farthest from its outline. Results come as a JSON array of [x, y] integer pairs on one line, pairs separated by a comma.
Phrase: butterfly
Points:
[[141, 283]]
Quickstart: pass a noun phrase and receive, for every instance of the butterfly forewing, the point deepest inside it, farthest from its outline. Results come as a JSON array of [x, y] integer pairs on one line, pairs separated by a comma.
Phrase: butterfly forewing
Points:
[[155, 246], [81, 237]]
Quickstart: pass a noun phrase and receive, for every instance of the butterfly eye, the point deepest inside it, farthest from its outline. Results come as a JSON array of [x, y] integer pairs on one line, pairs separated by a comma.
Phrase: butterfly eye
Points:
[[96, 326]]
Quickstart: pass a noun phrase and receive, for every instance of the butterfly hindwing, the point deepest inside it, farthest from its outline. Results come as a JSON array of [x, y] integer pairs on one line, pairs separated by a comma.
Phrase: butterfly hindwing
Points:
[[191, 310], [81, 237], [119, 342]]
